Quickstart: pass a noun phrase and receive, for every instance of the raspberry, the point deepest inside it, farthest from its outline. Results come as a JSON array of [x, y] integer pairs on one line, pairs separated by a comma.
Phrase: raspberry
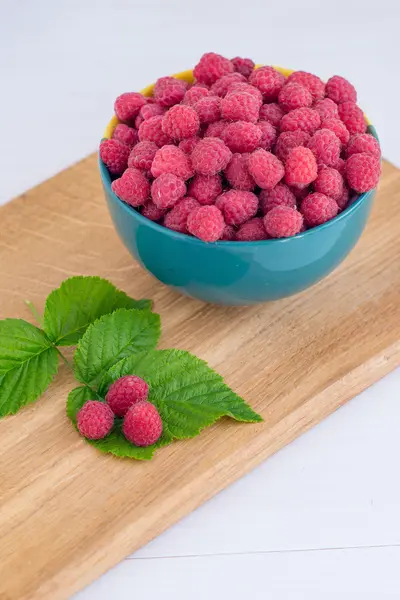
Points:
[[318, 208], [142, 155], [170, 159], [282, 222], [303, 119], [269, 135], [194, 95], [238, 206], [340, 90], [240, 107], [280, 195], [177, 217], [237, 173], [215, 129], [180, 122], [353, 117], [330, 183], [205, 188], [266, 169], [363, 171], [142, 424], [229, 233], [151, 110], [152, 212], [125, 134], [210, 155], [206, 223], [363, 142], [244, 66], [341, 166], [167, 189], [114, 155], [326, 147], [133, 187], [221, 86], [294, 96], [138, 121], [208, 109], [313, 83], [188, 144], [326, 109], [151, 131], [344, 198], [242, 86], [169, 91], [268, 81], [127, 106], [211, 67], [289, 140], [300, 193], [95, 420], [338, 128], [252, 231], [300, 167], [272, 113], [242, 136], [125, 392]]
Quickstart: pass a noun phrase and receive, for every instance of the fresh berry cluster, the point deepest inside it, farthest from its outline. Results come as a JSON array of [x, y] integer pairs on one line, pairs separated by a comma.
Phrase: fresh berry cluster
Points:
[[241, 154], [126, 399]]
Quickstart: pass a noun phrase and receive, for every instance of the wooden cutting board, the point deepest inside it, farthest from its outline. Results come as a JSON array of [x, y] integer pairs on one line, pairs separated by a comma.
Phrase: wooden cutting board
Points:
[[69, 513]]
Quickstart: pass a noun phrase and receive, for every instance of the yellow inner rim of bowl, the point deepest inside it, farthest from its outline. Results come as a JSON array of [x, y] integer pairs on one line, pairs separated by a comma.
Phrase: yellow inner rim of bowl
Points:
[[186, 76]]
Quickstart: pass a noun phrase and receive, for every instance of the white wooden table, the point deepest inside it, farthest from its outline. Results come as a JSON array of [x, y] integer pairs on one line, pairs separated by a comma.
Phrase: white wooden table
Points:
[[321, 518]]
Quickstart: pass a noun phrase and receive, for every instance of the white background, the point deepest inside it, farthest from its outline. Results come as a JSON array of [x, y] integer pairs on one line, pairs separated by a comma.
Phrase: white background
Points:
[[321, 518]]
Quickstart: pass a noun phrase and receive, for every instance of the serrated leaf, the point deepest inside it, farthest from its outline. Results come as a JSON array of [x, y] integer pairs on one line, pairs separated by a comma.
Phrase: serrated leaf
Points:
[[112, 338], [28, 363], [78, 302]]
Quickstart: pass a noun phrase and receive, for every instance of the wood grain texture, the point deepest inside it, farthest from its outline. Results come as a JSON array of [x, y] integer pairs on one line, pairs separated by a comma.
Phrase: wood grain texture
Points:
[[67, 512]]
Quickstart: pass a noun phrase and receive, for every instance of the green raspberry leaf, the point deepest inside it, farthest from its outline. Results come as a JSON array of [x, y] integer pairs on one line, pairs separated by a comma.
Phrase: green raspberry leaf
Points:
[[78, 302], [112, 338], [28, 363]]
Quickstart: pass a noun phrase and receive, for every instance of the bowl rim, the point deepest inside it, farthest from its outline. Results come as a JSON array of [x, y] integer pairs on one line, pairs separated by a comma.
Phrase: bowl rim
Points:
[[106, 179]]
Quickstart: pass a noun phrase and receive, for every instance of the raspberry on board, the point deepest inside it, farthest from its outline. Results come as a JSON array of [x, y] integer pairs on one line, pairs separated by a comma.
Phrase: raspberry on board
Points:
[[330, 183], [338, 128], [269, 81], [326, 147], [125, 134], [353, 117], [142, 424], [95, 420], [252, 231], [194, 94], [125, 392], [244, 87], [211, 67], [169, 91], [210, 156], [188, 144], [313, 83], [301, 167], [171, 159], [280, 195], [283, 221], [244, 66], [177, 217], [229, 233], [269, 135], [114, 155], [363, 142], [272, 113], [237, 173], [215, 129], [265, 168], [340, 90], [242, 136], [303, 119], [363, 171], [205, 188], [289, 140], [208, 109], [221, 86], [167, 189], [240, 106], [181, 122], [317, 209], [142, 155], [326, 108], [238, 206], [132, 187], [151, 130], [127, 106], [152, 212], [293, 96], [206, 223]]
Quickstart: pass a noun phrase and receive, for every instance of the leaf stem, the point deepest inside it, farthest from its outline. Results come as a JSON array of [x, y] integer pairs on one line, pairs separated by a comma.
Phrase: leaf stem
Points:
[[64, 358], [35, 312]]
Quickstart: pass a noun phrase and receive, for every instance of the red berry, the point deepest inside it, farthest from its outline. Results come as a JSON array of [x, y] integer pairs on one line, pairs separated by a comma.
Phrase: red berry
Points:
[[215, 129], [344, 198], [318, 208], [244, 66], [125, 392], [152, 212], [340, 90], [151, 131], [252, 231], [338, 128], [211, 67], [269, 135], [177, 217], [326, 147], [301, 167], [206, 223], [205, 188], [169, 91], [353, 117], [125, 134], [363, 171], [272, 113], [188, 144], [170, 159], [326, 108], [294, 96], [229, 233], [363, 142], [210, 156], [238, 206], [289, 140], [237, 173], [280, 195], [127, 106], [133, 187], [221, 86], [167, 189], [194, 95], [282, 222], [180, 122], [330, 183], [208, 109], [313, 83], [142, 424], [265, 168], [114, 155], [240, 87], [95, 420], [142, 155], [268, 81], [303, 119], [151, 110], [242, 136], [240, 106]]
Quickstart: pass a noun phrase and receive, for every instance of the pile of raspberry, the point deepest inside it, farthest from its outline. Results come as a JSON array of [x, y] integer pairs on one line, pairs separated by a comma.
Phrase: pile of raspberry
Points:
[[241, 154], [126, 405]]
